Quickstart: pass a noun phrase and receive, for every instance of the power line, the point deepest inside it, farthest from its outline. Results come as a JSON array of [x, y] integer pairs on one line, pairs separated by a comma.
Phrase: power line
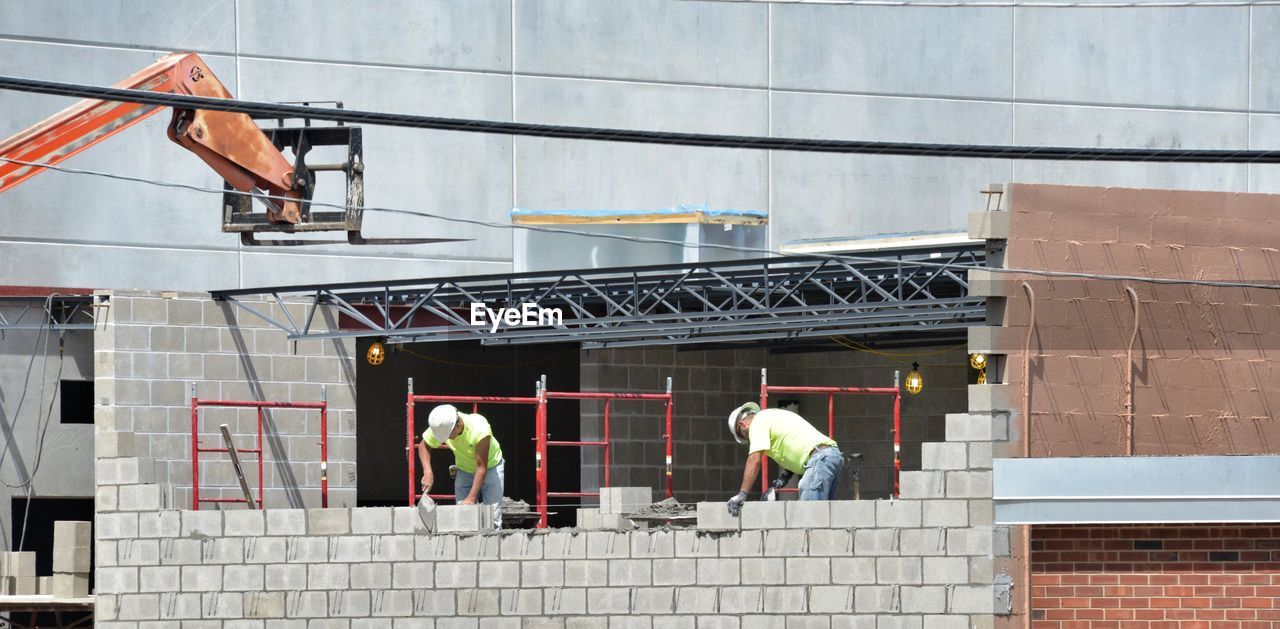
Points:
[[859, 147], [677, 243], [1012, 4]]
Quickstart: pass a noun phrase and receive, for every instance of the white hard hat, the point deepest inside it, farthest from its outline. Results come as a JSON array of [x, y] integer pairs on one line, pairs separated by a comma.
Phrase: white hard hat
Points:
[[733, 419], [441, 422]]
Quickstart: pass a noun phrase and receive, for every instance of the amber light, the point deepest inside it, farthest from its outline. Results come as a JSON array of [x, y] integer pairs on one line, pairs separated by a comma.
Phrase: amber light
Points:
[[914, 382], [376, 354]]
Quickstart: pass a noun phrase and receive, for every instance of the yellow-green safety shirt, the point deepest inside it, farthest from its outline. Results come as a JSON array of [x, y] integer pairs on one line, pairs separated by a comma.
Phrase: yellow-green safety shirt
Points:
[[474, 428], [786, 437]]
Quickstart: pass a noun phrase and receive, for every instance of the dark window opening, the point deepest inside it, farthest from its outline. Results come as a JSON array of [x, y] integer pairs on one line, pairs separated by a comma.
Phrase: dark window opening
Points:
[[77, 401]]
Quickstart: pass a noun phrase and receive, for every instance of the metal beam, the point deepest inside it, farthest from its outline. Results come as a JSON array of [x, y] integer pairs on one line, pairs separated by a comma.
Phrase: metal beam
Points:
[[742, 300]]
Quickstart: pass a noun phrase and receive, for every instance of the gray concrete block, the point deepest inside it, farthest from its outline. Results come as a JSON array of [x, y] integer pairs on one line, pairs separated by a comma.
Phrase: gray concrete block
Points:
[[246, 522], [971, 426], [544, 574], [242, 578], [830, 599], [830, 542], [714, 516], [922, 542], [969, 485], [945, 570], [654, 545], [69, 559], [622, 500], [981, 512], [412, 575], [589, 519], [500, 573], [853, 570], [134, 606], [608, 601], [971, 599], [969, 541], [922, 485], [786, 542], [112, 444], [764, 515], [994, 339], [979, 456], [267, 549], [328, 521], [158, 524], [463, 518], [763, 571], [807, 571], [478, 547], [992, 398], [808, 514], [564, 601], [746, 599], [374, 520], [785, 599], [875, 541], [435, 547], [116, 580], [719, 572], [653, 600], [201, 578], [519, 602], [898, 570], [984, 283], [609, 545], [696, 600], [875, 598], [328, 576], [853, 513], [989, 225], [742, 544], [630, 572], [353, 549], [583, 573], [945, 513], [676, 571], [898, 513], [263, 604], [286, 522], [197, 523], [456, 574]]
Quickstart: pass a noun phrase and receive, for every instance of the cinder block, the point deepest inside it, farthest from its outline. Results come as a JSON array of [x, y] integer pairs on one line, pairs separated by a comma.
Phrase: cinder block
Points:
[[622, 500], [807, 571], [742, 599], [159, 524], [973, 426], [972, 599], [762, 571], [286, 522], [111, 444], [830, 542], [853, 513], [992, 398], [463, 518], [70, 585], [196, 523], [20, 564], [696, 600], [946, 513], [808, 514], [984, 283], [945, 570], [969, 484], [830, 599], [876, 541], [245, 523], [853, 570], [994, 339], [943, 456], [328, 521], [898, 513], [70, 559], [924, 600], [923, 484], [618, 522], [898, 570], [714, 516], [26, 586], [44, 585], [764, 515], [373, 520], [786, 600], [406, 520], [785, 542], [992, 225]]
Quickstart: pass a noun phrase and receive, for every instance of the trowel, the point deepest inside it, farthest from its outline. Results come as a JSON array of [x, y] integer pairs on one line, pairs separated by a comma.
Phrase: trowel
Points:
[[427, 513]]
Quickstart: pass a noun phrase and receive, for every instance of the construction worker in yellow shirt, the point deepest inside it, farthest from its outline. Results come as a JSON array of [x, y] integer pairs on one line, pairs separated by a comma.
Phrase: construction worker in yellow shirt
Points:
[[476, 453], [795, 445]]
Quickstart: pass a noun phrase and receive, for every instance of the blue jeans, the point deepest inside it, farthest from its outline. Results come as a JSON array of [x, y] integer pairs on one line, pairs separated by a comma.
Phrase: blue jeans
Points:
[[821, 474], [490, 493]]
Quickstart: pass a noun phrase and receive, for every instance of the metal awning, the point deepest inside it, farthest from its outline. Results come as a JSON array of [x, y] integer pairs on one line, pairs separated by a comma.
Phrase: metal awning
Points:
[[1136, 489], [783, 298]]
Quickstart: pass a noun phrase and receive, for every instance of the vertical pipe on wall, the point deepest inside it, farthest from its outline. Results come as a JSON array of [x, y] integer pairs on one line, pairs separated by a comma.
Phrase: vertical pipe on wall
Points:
[[408, 441], [1129, 447], [195, 450], [1026, 439], [670, 404]]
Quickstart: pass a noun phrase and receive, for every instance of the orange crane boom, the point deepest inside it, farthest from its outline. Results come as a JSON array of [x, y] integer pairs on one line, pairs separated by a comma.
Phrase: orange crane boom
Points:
[[228, 142]]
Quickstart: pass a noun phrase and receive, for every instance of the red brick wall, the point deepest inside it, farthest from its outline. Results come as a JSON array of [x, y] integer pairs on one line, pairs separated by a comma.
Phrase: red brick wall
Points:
[[1183, 577]]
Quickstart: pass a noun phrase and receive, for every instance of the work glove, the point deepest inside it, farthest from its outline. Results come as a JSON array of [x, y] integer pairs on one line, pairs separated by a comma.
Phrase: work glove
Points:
[[735, 503], [781, 481]]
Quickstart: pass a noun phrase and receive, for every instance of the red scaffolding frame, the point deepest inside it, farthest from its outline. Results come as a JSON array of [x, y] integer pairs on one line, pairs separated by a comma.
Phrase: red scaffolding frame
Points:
[[831, 393], [544, 440], [475, 401], [196, 448]]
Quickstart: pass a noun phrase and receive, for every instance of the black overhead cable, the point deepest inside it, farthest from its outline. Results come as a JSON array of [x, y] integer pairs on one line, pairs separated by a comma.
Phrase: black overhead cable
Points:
[[917, 149]]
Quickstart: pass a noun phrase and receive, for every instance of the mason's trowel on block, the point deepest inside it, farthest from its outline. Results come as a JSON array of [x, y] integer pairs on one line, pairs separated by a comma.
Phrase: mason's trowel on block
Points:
[[427, 513]]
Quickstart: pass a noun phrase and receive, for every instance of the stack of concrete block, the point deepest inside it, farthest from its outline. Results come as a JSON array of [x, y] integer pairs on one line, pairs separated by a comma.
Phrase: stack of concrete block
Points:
[[18, 571], [71, 558], [615, 504]]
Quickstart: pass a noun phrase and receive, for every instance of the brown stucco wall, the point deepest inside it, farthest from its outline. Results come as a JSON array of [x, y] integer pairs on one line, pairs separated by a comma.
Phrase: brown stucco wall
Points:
[[1205, 376]]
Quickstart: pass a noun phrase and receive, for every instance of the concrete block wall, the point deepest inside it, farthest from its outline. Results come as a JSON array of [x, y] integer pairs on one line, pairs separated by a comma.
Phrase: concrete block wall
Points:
[[150, 348], [923, 561]]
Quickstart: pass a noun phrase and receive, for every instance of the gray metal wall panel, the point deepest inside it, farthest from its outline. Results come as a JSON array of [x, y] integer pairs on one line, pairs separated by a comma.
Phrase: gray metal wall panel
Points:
[[469, 35], [892, 51], [157, 24], [617, 104], [1163, 57], [682, 42]]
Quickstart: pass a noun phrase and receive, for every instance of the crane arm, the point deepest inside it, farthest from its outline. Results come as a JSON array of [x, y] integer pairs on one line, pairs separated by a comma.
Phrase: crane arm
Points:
[[228, 142]]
